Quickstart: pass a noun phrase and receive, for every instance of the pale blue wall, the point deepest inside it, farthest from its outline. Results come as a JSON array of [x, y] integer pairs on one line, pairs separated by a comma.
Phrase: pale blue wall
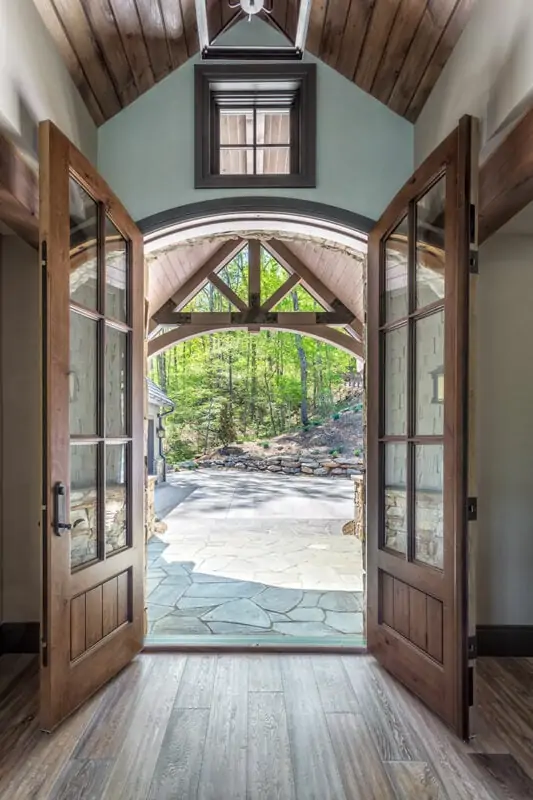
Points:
[[364, 151]]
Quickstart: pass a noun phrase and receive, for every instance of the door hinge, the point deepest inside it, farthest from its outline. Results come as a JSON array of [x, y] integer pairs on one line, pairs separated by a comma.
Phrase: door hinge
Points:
[[472, 647], [472, 223], [470, 686], [471, 509], [473, 262], [44, 254], [44, 652]]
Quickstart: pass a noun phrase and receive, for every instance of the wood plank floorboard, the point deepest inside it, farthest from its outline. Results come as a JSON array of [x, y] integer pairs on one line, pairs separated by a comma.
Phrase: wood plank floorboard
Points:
[[268, 744], [227, 733], [265, 727]]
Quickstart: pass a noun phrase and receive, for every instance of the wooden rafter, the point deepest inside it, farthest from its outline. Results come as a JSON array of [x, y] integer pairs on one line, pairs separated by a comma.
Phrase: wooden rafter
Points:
[[19, 194], [506, 179], [285, 288], [321, 332], [311, 282], [281, 253], [225, 253], [253, 315], [228, 292], [254, 273]]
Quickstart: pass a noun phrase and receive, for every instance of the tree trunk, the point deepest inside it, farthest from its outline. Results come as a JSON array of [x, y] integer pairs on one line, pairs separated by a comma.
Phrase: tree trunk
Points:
[[162, 371], [304, 415]]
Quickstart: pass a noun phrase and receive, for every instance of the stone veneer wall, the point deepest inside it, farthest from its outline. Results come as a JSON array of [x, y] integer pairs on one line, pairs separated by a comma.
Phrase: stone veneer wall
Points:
[[149, 517], [289, 465]]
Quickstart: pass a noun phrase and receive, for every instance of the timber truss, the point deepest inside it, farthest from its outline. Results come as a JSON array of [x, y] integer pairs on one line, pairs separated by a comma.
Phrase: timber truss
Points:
[[256, 312]]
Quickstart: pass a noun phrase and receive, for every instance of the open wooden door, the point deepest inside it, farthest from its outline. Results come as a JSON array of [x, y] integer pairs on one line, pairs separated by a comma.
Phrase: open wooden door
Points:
[[420, 256], [93, 384]]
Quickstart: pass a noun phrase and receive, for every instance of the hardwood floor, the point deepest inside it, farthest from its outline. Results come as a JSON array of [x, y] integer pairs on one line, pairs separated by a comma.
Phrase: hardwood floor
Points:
[[264, 727]]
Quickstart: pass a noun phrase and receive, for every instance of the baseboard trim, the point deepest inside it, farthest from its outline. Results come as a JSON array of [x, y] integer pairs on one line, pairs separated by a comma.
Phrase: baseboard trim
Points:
[[505, 640], [19, 637]]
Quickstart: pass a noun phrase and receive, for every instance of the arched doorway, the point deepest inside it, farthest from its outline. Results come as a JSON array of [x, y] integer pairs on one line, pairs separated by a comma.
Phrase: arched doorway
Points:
[[269, 503]]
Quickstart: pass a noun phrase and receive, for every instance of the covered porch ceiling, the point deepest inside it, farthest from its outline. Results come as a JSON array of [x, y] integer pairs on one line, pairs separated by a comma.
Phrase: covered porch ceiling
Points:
[[330, 272]]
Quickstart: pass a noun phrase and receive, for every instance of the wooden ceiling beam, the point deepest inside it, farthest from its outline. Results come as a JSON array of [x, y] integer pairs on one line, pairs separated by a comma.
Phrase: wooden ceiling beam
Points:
[[506, 179], [254, 273], [309, 280], [280, 294], [19, 192], [225, 253], [217, 261], [321, 332], [252, 316], [292, 263], [228, 292]]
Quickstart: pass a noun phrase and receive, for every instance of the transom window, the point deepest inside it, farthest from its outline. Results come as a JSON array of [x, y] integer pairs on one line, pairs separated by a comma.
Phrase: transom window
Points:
[[255, 126]]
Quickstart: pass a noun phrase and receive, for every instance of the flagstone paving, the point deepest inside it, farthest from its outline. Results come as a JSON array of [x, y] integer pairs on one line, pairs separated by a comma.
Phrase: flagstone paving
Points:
[[236, 560]]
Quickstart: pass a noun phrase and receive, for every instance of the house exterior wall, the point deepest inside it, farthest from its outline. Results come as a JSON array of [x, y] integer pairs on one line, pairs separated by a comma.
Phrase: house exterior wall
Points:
[[364, 150], [34, 82], [21, 413], [505, 431], [489, 75]]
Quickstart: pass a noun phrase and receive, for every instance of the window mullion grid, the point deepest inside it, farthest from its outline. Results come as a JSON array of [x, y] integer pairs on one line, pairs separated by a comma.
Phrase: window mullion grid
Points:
[[381, 399], [411, 383], [255, 140], [101, 370], [128, 394]]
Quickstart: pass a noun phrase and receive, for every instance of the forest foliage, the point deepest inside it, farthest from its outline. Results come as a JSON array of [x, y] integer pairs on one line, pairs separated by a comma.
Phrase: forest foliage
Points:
[[237, 386]]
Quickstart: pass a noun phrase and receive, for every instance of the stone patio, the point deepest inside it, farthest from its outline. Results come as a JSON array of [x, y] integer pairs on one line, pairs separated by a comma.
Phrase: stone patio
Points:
[[238, 558]]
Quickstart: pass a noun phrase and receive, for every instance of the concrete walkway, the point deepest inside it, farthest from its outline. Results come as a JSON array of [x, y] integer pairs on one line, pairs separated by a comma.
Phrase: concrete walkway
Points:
[[249, 555]]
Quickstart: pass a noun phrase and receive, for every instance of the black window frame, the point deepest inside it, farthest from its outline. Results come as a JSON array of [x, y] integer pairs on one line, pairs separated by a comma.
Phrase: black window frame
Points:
[[303, 125]]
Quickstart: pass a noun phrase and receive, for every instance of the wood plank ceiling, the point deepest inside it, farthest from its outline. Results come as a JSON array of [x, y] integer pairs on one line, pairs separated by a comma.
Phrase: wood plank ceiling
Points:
[[117, 49]]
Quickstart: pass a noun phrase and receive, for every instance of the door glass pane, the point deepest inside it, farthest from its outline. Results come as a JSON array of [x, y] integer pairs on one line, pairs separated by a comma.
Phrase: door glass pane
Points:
[[429, 378], [115, 389], [83, 247], [430, 255], [395, 497], [395, 383], [429, 506], [83, 504], [116, 261], [83, 375], [115, 497], [396, 259]]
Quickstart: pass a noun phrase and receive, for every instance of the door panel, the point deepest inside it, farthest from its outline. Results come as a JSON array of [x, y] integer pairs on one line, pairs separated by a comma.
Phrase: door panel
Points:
[[93, 383], [418, 306]]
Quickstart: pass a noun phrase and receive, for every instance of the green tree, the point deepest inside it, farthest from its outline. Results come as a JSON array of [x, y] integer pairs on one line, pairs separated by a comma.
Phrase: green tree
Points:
[[226, 428]]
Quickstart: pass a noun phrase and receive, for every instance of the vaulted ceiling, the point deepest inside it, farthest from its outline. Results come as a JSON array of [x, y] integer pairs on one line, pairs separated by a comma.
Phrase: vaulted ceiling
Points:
[[116, 50]]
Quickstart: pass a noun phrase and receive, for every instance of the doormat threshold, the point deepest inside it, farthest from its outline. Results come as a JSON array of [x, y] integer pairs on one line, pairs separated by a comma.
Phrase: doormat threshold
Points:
[[351, 642]]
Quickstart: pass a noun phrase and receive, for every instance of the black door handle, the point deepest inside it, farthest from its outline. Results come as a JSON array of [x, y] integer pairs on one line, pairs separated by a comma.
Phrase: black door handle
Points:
[[60, 509]]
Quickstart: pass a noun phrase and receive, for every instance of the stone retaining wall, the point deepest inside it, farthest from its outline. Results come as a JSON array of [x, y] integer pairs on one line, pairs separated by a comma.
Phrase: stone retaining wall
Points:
[[289, 465]]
